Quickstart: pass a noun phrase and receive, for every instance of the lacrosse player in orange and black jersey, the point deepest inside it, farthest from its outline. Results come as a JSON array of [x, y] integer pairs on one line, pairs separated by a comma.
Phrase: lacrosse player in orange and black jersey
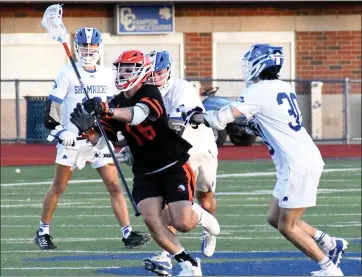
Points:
[[161, 174]]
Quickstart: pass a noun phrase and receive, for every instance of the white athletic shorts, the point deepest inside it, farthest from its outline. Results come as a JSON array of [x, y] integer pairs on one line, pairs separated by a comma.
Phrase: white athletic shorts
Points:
[[204, 166], [298, 189], [67, 155]]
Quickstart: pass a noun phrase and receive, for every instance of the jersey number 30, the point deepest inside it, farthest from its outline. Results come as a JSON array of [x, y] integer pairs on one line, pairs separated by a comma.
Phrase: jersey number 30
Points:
[[294, 110]]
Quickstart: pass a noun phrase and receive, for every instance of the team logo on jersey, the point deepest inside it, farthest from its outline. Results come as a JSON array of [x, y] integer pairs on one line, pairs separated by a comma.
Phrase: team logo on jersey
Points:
[[91, 89], [241, 99], [285, 199], [181, 188]]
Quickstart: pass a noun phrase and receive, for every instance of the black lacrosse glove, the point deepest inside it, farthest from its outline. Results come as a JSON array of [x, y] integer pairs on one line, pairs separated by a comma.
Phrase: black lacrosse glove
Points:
[[252, 128], [81, 119], [194, 117], [96, 106]]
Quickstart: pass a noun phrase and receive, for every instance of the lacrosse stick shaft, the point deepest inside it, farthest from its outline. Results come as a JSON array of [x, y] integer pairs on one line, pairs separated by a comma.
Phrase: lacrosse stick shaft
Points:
[[124, 183]]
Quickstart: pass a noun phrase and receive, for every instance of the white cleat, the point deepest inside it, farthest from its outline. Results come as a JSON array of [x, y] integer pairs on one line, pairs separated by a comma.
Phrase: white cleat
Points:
[[208, 244], [337, 252], [189, 270], [159, 264], [323, 272], [207, 220]]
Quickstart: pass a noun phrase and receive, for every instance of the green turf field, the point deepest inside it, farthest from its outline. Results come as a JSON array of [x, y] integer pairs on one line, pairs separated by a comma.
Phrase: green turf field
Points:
[[84, 225]]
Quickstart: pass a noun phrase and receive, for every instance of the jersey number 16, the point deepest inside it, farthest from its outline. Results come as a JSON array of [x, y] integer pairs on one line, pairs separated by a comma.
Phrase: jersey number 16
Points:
[[141, 132]]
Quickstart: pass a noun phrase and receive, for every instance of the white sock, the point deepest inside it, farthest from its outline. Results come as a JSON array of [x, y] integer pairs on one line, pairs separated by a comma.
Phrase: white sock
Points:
[[198, 210], [327, 264], [126, 230], [43, 229], [165, 253], [324, 240]]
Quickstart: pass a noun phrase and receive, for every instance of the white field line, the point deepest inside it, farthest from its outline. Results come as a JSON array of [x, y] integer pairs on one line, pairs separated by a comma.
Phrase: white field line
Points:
[[86, 181], [83, 239], [217, 198], [263, 192], [71, 205], [225, 215], [107, 199], [136, 252], [59, 268], [238, 228], [306, 215], [220, 176]]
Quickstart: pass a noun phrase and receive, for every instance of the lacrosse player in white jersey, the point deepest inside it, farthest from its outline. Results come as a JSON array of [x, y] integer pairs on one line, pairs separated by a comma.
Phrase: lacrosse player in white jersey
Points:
[[271, 106], [71, 153], [178, 94]]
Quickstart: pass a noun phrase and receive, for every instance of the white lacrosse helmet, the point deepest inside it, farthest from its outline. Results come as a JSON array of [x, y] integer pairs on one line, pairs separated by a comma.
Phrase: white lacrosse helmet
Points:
[[162, 76], [88, 45], [260, 57]]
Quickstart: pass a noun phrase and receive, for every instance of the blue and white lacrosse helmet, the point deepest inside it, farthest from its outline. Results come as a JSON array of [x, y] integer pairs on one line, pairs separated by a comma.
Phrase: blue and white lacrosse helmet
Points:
[[162, 75], [260, 57], [88, 45]]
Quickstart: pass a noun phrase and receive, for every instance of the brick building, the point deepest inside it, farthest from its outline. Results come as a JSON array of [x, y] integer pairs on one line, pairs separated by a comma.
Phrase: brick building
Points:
[[321, 41]]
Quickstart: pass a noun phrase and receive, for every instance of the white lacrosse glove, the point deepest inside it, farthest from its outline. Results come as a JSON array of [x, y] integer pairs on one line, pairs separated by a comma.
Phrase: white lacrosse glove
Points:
[[212, 120], [86, 153], [125, 156], [65, 137]]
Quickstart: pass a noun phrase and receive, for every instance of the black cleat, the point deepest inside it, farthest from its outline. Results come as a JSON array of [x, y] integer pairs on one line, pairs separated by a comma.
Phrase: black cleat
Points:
[[136, 239], [44, 242]]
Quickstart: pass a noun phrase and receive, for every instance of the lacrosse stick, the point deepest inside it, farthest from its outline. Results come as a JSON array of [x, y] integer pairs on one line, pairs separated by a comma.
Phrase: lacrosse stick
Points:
[[53, 23]]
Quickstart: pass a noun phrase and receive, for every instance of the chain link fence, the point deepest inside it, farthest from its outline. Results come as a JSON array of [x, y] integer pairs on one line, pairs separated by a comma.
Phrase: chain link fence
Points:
[[331, 109]]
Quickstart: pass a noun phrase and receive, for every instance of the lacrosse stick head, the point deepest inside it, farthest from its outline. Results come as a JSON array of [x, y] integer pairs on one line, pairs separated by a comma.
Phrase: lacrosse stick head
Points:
[[53, 23]]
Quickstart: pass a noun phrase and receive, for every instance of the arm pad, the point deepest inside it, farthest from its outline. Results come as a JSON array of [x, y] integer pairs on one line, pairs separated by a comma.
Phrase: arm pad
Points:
[[139, 113], [52, 114]]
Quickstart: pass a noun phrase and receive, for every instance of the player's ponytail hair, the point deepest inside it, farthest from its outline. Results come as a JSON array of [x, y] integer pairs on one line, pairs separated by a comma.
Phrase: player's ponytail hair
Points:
[[270, 73]]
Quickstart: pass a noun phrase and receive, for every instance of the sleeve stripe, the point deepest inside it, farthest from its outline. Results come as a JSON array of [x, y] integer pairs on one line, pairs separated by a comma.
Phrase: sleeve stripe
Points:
[[152, 105], [157, 104], [104, 123], [109, 130], [55, 99]]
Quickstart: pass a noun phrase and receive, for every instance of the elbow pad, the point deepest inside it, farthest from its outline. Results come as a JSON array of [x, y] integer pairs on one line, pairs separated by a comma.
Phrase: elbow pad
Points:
[[52, 114], [139, 113]]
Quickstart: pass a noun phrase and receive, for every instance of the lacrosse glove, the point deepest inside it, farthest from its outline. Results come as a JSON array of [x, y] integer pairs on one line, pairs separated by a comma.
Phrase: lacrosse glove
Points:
[[65, 137], [193, 116], [96, 106], [83, 121], [125, 156]]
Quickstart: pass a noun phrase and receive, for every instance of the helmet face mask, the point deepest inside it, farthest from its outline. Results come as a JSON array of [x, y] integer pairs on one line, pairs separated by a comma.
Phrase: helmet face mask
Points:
[[88, 46], [258, 58], [162, 77], [132, 68]]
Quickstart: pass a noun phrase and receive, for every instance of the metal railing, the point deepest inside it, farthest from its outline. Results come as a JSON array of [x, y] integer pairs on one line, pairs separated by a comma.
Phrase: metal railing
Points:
[[340, 115]]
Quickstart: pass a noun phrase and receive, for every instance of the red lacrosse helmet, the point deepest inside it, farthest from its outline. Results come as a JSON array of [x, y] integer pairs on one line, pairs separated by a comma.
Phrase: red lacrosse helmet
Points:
[[132, 67]]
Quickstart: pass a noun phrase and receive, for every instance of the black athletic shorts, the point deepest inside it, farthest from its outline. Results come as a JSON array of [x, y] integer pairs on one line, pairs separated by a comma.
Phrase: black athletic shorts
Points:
[[175, 183]]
